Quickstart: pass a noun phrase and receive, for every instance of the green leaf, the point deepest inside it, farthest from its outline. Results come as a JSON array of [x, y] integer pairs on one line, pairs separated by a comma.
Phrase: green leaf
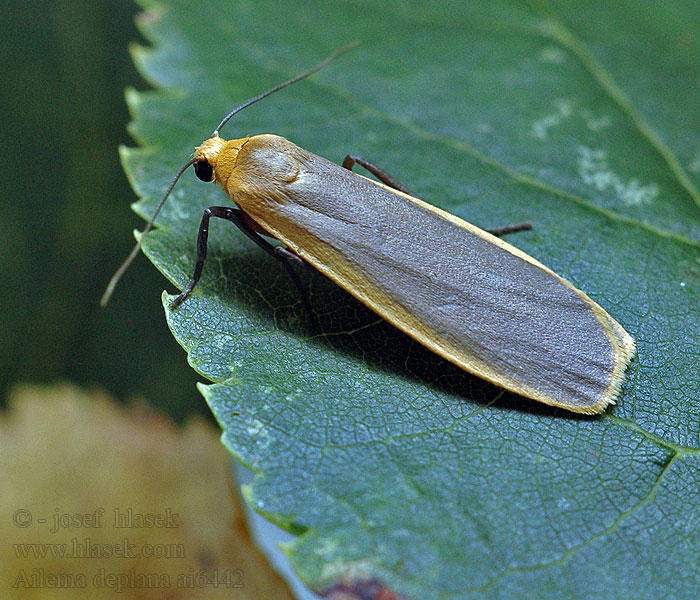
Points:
[[389, 463]]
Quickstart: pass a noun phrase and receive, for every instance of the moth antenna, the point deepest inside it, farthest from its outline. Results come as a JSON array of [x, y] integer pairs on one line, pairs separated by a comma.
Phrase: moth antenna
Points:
[[285, 84], [135, 250]]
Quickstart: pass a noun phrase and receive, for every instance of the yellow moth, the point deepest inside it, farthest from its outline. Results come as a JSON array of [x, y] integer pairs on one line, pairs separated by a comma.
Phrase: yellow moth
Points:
[[459, 290]]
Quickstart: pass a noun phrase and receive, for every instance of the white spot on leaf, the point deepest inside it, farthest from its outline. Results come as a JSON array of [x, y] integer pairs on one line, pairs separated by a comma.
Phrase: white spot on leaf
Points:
[[694, 165], [564, 108], [596, 123], [553, 55], [594, 170], [258, 431]]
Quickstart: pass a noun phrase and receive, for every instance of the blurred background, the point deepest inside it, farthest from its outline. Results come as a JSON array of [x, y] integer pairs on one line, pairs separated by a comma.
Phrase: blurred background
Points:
[[66, 218]]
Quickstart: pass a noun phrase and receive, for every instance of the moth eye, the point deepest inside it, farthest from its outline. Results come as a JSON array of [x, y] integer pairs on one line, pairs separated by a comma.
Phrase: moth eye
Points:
[[203, 170]]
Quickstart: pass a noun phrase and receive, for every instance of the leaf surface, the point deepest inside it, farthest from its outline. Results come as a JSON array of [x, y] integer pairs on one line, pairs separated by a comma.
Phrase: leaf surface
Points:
[[390, 463]]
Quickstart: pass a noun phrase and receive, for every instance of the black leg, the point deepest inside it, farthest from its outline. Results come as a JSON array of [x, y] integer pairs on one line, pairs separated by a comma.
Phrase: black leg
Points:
[[384, 177], [286, 257], [510, 229]]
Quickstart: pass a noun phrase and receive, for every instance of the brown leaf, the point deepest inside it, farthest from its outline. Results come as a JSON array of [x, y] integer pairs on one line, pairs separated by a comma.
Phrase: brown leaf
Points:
[[76, 460]]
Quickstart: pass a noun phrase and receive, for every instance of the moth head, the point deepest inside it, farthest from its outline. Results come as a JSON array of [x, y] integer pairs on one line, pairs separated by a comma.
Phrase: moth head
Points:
[[206, 157]]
